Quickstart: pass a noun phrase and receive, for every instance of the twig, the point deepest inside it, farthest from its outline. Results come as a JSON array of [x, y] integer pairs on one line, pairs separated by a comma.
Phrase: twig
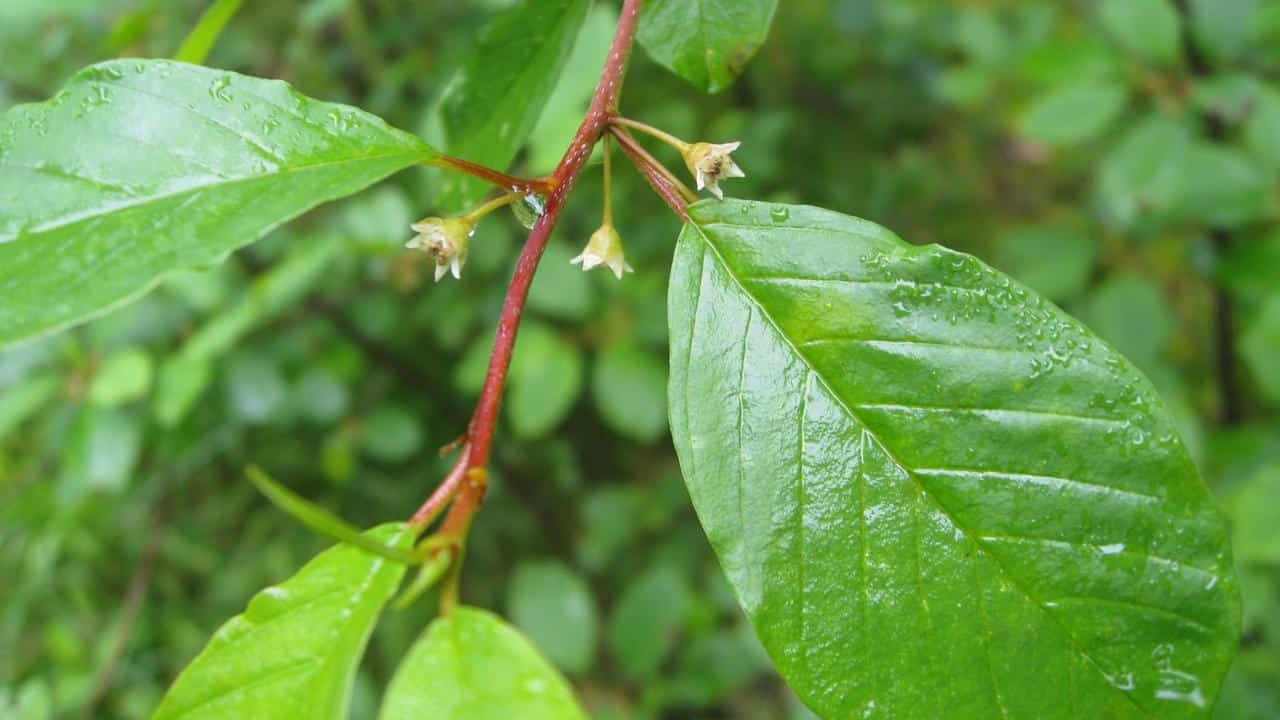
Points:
[[132, 606], [480, 432]]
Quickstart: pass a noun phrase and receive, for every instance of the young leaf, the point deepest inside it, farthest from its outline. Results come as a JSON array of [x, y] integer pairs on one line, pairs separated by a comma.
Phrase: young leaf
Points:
[[707, 42], [323, 521], [470, 665], [936, 494], [293, 652], [139, 168], [495, 101]]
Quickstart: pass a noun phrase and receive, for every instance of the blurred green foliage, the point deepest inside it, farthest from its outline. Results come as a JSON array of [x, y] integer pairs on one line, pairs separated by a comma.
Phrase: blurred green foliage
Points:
[[1120, 156]]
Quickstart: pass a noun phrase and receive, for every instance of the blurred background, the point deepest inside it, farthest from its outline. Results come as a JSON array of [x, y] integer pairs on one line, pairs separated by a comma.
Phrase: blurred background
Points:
[[1129, 178]]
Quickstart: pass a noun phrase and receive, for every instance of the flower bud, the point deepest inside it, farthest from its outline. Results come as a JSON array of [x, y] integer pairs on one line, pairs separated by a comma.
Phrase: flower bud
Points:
[[712, 163], [604, 248], [446, 240]]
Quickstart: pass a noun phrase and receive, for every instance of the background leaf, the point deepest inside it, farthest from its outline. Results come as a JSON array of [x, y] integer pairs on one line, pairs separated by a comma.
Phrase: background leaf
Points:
[[495, 100], [707, 42], [138, 168], [553, 606], [470, 665], [901, 448], [293, 652]]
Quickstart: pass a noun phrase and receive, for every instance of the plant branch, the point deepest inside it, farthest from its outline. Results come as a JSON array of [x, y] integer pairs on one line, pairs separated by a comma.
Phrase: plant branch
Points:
[[443, 494], [480, 432], [1224, 320], [524, 186], [676, 194]]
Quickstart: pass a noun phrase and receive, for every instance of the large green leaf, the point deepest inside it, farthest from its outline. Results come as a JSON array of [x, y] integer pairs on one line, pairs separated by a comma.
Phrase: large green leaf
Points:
[[936, 494], [470, 665], [495, 101], [707, 42], [138, 168], [293, 653]]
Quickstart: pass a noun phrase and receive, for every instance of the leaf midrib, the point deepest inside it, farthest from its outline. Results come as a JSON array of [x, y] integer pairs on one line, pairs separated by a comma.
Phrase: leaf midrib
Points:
[[76, 219], [969, 535]]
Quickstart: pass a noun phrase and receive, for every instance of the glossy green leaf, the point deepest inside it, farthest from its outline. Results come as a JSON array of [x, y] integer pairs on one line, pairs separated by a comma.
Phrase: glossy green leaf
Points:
[[139, 168], [495, 101], [707, 42], [554, 606], [470, 665], [936, 494], [293, 653]]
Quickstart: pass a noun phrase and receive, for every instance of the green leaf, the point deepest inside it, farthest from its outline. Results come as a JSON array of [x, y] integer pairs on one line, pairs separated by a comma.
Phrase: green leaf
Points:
[[104, 447], [553, 606], [1253, 513], [21, 401], [546, 380], [1262, 129], [391, 434], [1224, 187], [494, 102], [205, 34], [469, 665], [1225, 29], [324, 522], [1143, 173], [934, 493], [1054, 259], [185, 376], [1260, 347], [628, 387], [707, 42], [1131, 313], [1075, 113], [140, 168], [293, 652], [123, 377], [1148, 28], [645, 624]]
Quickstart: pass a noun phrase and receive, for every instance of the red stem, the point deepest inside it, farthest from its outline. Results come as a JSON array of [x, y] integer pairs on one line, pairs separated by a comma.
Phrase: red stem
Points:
[[502, 180], [444, 493], [603, 104], [654, 172]]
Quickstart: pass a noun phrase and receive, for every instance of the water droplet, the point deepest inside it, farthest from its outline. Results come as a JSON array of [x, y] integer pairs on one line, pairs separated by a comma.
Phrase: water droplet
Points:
[[530, 209], [780, 214], [218, 89], [1121, 681]]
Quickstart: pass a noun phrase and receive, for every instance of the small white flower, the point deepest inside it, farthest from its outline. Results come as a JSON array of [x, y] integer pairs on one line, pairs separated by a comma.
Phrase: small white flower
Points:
[[446, 240], [712, 163], [604, 248]]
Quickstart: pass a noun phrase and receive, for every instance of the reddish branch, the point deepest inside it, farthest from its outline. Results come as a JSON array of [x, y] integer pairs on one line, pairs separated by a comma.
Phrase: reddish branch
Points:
[[503, 180], [470, 482]]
